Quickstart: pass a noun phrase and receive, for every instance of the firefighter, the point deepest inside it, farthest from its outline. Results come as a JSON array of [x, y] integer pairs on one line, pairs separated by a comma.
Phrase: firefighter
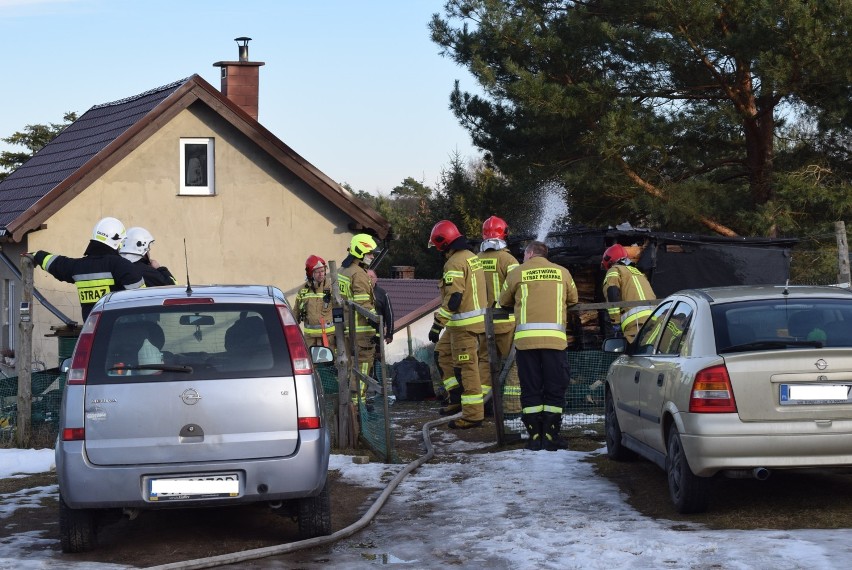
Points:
[[136, 248], [625, 282], [313, 303], [496, 263], [540, 293], [462, 311], [100, 270], [355, 285]]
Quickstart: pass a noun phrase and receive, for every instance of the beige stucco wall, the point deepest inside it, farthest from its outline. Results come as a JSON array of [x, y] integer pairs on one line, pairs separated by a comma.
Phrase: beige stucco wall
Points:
[[259, 227]]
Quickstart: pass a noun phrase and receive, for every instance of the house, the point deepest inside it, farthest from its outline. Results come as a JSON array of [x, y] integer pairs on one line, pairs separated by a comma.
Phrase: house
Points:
[[225, 199]]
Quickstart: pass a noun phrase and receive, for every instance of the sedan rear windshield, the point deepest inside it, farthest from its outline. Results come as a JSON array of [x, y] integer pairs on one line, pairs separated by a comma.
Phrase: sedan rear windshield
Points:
[[776, 323], [155, 344]]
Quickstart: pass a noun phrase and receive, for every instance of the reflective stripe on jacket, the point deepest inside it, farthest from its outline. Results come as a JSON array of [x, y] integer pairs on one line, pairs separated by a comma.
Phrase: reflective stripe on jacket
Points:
[[312, 309], [497, 263], [541, 293], [93, 275], [355, 285], [463, 274], [633, 286]]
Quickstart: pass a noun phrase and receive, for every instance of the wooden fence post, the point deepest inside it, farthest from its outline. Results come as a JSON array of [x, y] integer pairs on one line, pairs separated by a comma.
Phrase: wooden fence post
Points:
[[843, 275], [24, 355]]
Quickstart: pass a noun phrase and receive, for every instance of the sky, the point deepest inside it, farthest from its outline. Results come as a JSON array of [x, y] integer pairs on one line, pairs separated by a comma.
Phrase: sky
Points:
[[355, 87], [505, 510]]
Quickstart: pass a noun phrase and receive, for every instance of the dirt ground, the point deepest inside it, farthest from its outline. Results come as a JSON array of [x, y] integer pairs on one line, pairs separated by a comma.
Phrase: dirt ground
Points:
[[818, 499]]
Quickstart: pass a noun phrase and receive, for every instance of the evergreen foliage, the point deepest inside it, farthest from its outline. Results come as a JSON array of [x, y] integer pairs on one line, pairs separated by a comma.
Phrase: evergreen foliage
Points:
[[33, 138], [725, 116]]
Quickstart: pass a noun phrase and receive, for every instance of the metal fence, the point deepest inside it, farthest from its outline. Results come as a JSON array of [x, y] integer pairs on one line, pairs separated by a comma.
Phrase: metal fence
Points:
[[583, 402], [47, 387]]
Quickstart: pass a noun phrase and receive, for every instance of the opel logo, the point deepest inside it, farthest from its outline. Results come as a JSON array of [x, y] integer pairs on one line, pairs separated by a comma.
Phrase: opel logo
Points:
[[821, 364], [190, 397]]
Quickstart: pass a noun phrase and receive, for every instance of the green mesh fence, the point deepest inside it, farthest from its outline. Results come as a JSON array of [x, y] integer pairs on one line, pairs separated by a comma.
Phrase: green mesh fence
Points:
[[584, 398], [46, 389], [371, 412]]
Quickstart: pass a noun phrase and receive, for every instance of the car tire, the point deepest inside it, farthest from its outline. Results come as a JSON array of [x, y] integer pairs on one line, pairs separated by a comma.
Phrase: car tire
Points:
[[314, 514], [615, 450], [77, 528], [688, 492]]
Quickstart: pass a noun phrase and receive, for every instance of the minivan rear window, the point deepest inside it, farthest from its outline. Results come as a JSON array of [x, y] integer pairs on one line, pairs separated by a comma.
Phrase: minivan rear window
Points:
[[161, 344]]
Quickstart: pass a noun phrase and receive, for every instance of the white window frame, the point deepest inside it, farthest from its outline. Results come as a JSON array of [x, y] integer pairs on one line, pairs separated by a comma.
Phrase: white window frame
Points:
[[208, 189]]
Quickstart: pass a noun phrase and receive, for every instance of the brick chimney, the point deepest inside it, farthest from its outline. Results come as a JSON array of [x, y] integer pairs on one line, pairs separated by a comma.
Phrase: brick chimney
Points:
[[241, 79], [402, 272]]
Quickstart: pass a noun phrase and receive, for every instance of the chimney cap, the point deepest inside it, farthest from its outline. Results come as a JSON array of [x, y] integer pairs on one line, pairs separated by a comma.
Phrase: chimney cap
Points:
[[242, 42]]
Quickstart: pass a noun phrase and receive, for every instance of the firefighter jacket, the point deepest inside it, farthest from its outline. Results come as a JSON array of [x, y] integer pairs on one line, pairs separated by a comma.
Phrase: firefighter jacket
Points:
[[155, 276], [355, 285], [99, 271], [313, 306], [463, 295], [541, 293], [496, 263], [633, 286]]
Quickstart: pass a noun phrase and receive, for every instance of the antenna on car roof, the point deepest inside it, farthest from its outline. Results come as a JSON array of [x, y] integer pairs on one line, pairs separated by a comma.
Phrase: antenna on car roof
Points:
[[186, 261], [786, 287]]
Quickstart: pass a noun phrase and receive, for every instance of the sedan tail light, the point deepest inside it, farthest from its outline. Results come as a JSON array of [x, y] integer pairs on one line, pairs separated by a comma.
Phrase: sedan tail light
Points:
[[712, 392]]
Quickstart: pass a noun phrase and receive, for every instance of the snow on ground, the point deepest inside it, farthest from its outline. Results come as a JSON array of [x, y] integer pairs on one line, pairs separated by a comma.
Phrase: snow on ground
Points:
[[512, 509]]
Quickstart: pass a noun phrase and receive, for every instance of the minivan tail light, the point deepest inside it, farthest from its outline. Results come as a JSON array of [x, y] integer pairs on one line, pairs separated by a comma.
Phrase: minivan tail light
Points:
[[712, 392], [83, 350], [309, 423], [73, 434], [299, 355]]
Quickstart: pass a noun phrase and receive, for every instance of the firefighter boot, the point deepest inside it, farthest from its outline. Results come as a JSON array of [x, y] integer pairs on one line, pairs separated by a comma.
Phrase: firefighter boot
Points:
[[533, 424], [552, 424], [452, 405]]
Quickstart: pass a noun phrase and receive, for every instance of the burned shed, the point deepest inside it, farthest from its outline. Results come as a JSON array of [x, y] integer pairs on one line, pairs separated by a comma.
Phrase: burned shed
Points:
[[671, 261]]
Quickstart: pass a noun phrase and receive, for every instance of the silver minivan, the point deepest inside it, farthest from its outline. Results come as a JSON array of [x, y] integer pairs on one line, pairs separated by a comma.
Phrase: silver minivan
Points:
[[191, 397]]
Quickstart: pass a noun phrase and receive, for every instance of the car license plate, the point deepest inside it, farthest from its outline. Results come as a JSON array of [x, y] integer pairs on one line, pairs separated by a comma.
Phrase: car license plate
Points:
[[208, 486], [798, 394]]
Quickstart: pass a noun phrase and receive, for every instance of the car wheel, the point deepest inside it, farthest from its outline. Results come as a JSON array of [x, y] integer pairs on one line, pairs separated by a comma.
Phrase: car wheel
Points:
[[315, 514], [77, 528], [612, 432], [688, 491]]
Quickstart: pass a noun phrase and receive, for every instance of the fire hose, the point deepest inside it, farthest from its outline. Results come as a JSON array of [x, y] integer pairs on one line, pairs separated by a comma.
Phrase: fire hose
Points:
[[348, 531]]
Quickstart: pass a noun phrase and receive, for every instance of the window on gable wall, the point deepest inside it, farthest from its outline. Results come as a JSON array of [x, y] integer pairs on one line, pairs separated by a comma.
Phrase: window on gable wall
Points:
[[196, 167]]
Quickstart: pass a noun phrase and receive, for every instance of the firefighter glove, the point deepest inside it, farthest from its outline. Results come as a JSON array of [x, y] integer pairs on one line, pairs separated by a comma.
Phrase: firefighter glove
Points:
[[326, 298], [435, 332], [616, 331]]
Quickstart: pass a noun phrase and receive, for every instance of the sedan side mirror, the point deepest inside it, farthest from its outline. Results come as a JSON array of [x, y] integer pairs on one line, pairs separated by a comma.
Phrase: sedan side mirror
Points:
[[617, 344]]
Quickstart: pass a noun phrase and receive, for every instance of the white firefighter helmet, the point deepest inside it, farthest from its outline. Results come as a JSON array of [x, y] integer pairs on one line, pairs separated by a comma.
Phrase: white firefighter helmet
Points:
[[136, 244], [109, 231]]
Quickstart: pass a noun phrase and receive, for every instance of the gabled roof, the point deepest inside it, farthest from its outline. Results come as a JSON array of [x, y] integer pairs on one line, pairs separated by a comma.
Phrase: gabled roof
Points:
[[107, 133], [411, 299]]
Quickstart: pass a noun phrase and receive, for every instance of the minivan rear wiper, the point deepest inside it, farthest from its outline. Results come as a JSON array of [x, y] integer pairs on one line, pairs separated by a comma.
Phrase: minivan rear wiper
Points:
[[771, 344], [163, 367]]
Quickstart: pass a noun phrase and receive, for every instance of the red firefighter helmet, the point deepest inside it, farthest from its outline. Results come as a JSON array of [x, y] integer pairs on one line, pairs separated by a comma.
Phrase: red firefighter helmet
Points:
[[313, 262], [443, 234], [495, 228], [613, 254]]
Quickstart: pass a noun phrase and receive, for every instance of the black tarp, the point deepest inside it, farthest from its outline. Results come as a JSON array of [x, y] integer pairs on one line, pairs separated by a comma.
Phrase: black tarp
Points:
[[675, 261]]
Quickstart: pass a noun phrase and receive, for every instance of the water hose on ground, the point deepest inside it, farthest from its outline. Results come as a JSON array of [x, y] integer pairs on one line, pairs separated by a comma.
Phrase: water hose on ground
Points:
[[366, 519]]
